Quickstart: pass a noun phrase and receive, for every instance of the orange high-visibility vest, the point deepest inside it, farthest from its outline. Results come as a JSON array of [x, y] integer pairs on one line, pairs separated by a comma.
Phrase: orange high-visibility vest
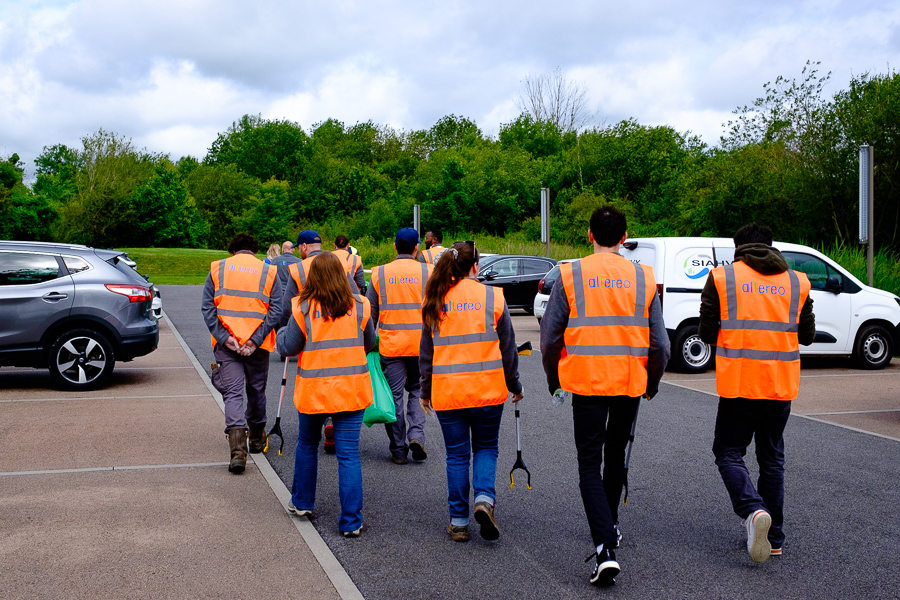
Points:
[[608, 335], [333, 374], [758, 350], [298, 271], [400, 286], [467, 368], [432, 253], [243, 290], [351, 262]]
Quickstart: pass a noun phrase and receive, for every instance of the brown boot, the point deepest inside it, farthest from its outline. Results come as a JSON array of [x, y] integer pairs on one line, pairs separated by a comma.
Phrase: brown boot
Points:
[[257, 437], [237, 439]]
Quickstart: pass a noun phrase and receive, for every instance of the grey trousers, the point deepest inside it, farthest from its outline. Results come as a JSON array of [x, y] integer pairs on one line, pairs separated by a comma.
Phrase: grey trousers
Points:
[[237, 373], [402, 372]]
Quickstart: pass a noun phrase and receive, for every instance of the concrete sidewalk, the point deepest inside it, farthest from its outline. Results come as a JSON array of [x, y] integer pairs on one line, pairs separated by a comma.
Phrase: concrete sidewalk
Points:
[[124, 493]]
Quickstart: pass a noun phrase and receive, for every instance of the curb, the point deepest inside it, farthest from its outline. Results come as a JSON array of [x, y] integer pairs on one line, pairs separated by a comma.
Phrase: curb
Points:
[[339, 578]]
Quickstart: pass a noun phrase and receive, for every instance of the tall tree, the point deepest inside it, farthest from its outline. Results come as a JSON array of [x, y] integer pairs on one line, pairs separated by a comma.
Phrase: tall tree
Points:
[[555, 98]]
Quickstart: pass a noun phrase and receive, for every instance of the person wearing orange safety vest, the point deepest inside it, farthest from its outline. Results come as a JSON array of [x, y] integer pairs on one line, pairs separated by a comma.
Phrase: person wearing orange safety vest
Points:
[[756, 312], [396, 294], [469, 366], [352, 262], [604, 340], [241, 305], [433, 247], [331, 329]]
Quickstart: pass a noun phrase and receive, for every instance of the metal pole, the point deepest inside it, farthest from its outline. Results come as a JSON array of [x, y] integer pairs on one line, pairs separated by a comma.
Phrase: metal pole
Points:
[[416, 219], [867, 206], [545, 218]]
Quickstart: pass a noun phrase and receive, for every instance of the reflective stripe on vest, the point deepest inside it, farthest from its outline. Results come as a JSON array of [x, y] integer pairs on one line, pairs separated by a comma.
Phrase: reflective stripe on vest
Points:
[[333, 374], [432, 253], [468, 368], [348, 260], [242, 296], [758, 357], [401, 334], [607, 353]]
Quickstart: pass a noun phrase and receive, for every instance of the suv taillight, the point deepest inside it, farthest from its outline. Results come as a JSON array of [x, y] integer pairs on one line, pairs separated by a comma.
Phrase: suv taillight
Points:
[[135, 293], [541, 286]]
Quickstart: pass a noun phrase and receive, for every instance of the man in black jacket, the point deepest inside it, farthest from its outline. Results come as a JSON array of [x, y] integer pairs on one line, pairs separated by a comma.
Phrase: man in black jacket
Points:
[[757, 375]]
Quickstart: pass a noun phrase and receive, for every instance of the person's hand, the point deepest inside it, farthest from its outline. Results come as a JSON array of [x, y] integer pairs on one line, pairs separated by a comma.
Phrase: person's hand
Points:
[[232, 344], [248, 348], [426, 405], [519, 396]]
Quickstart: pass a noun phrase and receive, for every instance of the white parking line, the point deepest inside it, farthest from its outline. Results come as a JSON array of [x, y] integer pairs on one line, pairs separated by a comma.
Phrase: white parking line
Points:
[[339, 578], [862, 374], [114, 468], [852, 412], [70, 398]]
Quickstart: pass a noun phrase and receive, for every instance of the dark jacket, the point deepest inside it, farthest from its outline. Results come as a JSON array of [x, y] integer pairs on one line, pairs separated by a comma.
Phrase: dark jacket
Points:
[[765, 260]]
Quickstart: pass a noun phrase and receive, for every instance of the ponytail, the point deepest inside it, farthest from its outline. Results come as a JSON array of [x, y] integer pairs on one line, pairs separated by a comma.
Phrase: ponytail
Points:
[[454, 266]]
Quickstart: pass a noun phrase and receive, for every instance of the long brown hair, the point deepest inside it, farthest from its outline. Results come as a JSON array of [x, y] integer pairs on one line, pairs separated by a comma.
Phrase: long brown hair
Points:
[[326, 284], [452, 268]]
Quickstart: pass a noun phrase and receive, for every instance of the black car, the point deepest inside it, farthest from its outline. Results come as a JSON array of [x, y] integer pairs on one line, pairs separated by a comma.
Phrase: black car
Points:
[[518, 275]]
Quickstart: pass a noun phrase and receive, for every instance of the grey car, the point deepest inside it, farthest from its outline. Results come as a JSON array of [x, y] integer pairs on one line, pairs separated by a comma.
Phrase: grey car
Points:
[[73, 309]]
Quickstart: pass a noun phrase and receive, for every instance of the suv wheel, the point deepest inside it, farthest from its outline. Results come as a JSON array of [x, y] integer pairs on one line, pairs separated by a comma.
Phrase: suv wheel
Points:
[[81, 359], [690, 354], [874, 348]]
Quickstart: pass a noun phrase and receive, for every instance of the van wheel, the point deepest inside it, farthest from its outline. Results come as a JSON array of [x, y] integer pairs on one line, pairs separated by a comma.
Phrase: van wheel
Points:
[[81, 359], [874, 348], [690, 354]]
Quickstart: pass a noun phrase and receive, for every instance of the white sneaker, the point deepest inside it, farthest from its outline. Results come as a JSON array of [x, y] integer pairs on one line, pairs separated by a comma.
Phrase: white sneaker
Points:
[[757, 536], [299, 512]]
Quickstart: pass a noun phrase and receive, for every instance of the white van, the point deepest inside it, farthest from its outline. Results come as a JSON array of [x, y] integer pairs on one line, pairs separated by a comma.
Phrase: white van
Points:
[[852, 319]]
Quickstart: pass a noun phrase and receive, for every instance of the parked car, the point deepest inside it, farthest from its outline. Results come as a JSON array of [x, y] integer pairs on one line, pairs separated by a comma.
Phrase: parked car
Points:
[[545, 285], [517, 275], [74, 310], [157, 295], [852, 319]]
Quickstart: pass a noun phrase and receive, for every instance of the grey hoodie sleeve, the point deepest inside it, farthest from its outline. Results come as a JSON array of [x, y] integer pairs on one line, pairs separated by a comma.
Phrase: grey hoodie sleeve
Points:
[[290, 290], [553, 329], [507, 336], [273, 317], [660, 348], [369, 336], [210, 317], [426, 360], [372, 295], [360, 277], [290, 339]]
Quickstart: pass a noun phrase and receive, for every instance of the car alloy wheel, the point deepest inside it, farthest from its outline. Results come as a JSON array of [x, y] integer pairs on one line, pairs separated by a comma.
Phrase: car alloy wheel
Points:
[[81, 359]]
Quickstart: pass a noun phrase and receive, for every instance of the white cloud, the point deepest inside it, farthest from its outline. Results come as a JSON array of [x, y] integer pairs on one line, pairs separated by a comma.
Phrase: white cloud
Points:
[[171, 74]]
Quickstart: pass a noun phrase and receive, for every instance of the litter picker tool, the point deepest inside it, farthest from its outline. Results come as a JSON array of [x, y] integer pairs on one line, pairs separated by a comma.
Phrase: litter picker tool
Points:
[[276, 429], [628, 450], [525, 350]]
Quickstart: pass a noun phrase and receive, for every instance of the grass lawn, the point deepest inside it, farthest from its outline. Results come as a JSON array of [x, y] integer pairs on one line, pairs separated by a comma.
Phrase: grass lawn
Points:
[[176, 266]]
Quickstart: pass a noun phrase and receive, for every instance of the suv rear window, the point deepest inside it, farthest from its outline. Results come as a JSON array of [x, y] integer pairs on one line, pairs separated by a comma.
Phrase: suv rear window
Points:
[[124, 268], [22, 268]]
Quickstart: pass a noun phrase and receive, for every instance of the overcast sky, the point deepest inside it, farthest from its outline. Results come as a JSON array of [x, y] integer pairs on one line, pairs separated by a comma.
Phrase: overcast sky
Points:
[[172, 74]]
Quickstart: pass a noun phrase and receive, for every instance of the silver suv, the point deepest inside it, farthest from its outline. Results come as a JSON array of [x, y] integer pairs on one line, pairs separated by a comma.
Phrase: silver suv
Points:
[[73, 309]]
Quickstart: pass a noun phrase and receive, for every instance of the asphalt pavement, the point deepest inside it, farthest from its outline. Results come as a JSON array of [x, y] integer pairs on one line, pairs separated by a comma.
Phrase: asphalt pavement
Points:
[[681, 538]]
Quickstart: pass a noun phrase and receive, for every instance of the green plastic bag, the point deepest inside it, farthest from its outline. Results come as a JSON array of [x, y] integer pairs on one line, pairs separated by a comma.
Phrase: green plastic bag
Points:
[[382, 410]]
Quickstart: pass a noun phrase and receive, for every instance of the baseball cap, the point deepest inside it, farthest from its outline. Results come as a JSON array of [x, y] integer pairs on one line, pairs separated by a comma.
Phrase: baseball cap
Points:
[[308, 236], [407, 237]]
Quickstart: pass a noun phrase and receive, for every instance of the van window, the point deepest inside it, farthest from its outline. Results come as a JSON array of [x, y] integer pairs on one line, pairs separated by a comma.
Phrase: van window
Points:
[[816, 269], [22, 268]]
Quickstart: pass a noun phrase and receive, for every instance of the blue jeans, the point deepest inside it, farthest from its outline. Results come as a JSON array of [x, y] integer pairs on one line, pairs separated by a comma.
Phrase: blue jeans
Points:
[[484, 425], [739, 421], [306, 465]]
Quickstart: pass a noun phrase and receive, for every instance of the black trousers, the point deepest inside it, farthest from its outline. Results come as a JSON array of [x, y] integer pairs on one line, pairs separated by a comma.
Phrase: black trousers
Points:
[[602, 426], [738, 422]]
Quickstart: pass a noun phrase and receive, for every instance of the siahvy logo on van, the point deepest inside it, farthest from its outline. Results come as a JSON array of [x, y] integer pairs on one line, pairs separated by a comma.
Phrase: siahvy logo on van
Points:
[[699, 265]]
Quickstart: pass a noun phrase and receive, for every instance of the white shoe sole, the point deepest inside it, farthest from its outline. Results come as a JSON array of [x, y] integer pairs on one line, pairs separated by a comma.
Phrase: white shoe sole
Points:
[[606, 574], [297, 512], [760, 549]]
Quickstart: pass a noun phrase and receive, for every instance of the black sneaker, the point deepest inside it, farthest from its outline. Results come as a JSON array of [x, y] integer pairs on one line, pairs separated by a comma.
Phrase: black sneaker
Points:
[[606, 569], [418, 450]]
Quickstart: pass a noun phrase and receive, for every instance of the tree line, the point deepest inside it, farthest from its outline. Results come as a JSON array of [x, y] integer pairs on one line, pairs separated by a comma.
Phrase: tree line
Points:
[[788, 160]]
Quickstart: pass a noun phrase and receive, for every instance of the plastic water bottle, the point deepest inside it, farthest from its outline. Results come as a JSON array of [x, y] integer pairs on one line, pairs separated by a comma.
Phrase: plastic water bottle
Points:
[[559, 397]]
